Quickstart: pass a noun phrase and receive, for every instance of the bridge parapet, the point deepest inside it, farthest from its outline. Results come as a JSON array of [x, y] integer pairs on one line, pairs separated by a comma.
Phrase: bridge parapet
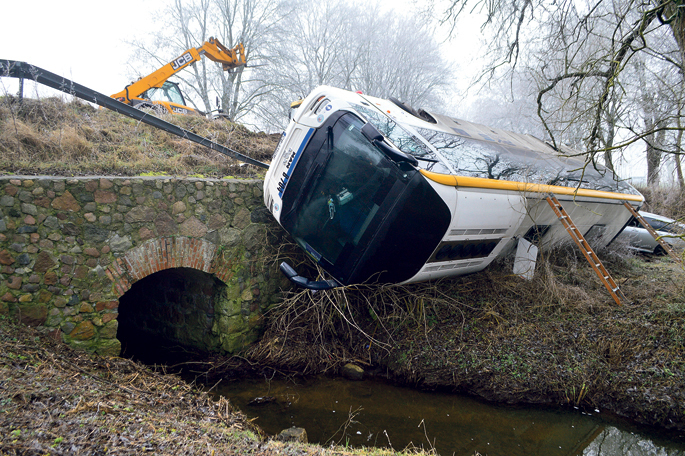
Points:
[[71, 247]]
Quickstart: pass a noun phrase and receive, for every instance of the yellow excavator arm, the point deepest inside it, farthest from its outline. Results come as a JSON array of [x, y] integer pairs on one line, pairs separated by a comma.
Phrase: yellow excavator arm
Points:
[[212, 49]]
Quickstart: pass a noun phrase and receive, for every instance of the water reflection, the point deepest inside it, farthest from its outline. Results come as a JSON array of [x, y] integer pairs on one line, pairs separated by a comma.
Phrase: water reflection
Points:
[[613, 441], [374, 413]]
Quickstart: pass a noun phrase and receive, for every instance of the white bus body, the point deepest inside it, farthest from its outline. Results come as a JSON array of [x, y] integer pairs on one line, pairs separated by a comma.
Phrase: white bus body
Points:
[[374, 191]]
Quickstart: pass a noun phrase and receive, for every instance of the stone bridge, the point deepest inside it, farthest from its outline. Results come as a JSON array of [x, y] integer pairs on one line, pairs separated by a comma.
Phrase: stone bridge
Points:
[[103, 261]]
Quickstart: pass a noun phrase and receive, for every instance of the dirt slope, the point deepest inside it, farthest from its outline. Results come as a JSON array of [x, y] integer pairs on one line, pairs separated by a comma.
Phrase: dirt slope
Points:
[[56, 401], [73, 138]]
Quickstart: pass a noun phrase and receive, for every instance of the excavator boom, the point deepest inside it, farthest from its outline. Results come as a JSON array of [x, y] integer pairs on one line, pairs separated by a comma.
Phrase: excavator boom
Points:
[[212, 49], [228, 58]]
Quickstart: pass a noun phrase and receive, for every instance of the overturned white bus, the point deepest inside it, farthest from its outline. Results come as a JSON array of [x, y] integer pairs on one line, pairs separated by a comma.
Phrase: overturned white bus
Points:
[[374, 191]]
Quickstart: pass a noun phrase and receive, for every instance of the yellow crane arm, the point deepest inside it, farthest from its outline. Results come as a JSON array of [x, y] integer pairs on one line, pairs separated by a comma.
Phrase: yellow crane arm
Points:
[[212, 48], [228, 58]]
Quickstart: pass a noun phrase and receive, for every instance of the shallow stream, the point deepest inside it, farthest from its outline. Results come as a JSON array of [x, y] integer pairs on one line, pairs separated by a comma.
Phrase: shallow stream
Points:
[[374, 413]]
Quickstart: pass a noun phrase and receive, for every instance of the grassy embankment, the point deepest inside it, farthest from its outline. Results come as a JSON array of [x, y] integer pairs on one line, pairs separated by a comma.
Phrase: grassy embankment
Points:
[[57, 138], [54, 400]]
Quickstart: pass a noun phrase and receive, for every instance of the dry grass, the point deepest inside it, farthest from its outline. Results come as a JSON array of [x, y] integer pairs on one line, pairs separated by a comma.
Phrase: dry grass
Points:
[[666, 201], [57, 401], [51, 136], [54, 400], [558, 339]]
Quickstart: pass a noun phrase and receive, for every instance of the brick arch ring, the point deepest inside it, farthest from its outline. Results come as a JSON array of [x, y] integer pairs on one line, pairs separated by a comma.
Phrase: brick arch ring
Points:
[[158, 254]]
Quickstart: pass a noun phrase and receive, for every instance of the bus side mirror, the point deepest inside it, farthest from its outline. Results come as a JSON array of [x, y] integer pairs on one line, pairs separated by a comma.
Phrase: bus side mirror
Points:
[[304, 282], [394, 154], [372, 134]]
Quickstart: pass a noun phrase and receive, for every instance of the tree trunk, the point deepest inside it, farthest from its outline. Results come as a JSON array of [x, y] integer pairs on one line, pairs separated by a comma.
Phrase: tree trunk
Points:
[[653, 155], [610, 136], [678, 151], [653, 165], [675, 7]]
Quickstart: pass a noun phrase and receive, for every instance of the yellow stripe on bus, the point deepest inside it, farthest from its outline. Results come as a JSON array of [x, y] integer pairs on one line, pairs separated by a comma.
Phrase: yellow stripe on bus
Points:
[[480, 182]]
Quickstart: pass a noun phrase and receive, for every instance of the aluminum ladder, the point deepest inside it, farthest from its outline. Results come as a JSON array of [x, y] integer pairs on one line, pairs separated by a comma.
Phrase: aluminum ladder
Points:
[[664, 245], [590, 254]]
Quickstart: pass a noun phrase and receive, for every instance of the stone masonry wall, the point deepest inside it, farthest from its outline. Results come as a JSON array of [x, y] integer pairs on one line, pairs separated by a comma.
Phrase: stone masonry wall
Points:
[[71, 247]]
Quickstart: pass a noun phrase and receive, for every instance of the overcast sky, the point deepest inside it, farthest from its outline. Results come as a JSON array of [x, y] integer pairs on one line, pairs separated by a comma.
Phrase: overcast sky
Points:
[[80, 40], [86, 41]]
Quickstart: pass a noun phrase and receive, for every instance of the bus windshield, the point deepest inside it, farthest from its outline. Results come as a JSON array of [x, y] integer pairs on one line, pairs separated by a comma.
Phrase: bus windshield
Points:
[[348, 183]]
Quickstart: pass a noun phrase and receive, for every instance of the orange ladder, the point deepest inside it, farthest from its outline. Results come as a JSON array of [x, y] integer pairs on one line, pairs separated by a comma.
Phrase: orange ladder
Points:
[[664, 245], [590, 254]]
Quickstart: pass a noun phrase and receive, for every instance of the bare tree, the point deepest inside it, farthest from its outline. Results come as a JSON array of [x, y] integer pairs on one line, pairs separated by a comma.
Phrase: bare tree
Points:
[[187, 24], [582, 55], [292, 47], [508, 104], [677, 157], [355, 47], [404, 61]]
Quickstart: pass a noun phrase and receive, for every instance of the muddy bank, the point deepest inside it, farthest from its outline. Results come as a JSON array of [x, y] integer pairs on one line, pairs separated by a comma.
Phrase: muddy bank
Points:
[[489, 335], [57, 401], [559, 340]]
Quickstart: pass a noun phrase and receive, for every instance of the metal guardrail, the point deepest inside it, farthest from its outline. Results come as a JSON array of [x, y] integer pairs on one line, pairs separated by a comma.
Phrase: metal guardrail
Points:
[[23, 70]]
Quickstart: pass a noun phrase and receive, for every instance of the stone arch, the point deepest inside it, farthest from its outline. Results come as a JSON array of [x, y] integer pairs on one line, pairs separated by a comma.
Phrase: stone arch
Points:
[[158, 254], [171, 315], [70, 248], [238, 312]]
